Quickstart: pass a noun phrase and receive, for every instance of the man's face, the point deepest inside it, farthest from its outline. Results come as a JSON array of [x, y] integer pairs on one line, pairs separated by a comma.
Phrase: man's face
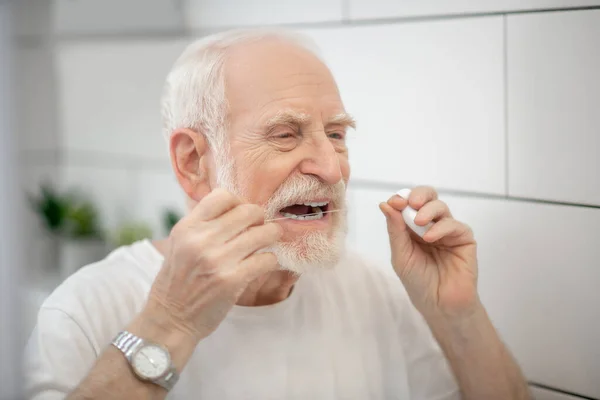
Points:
[[287, 134]]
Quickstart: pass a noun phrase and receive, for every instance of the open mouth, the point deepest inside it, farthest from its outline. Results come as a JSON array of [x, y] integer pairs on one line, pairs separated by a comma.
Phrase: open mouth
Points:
[[305, 211]]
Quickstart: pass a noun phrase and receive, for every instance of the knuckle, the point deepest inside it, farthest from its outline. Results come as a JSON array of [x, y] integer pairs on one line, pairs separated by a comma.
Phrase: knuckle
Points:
[[210, 258], [222, 279], [185, 244]]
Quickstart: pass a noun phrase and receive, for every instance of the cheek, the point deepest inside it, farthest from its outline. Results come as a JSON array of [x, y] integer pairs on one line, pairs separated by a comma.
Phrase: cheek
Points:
[[345, 167], [264, 178]]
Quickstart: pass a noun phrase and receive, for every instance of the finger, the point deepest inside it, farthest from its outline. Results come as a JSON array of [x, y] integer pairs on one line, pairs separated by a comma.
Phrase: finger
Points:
[[421, 195], [432, 211], [214, 204], [398, 231], [235, 221], [397, 202], [451, 231], [255, 238], [256, 265]]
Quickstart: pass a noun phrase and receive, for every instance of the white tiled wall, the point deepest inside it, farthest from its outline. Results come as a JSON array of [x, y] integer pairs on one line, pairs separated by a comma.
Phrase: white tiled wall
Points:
[[423, 93], [539, 286], [110, 95], [156, 191], [553, 103], [116, 16], [500, 111], [37, 92]]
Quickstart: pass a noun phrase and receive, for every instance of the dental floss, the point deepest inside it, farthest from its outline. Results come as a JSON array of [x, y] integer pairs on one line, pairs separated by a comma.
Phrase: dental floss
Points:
[[410, 213]]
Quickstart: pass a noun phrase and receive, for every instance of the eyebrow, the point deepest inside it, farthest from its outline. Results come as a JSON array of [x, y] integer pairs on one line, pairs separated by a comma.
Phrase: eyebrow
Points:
[[291, 117], [287, 117], [343, 119]]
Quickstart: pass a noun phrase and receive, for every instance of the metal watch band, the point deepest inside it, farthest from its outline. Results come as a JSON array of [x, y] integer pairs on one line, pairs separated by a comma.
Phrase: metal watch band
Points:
[[128, 344]]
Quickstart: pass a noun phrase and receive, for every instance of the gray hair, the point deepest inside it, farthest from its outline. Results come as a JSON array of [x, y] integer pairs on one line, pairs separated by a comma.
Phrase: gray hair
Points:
[[194, 93]]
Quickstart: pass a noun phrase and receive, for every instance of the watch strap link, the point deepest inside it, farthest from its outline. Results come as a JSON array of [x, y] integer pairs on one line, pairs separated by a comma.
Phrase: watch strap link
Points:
[[128, 343]]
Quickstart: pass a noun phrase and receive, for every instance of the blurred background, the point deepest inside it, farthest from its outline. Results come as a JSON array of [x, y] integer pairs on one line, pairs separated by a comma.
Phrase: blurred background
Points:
[[496, 103]]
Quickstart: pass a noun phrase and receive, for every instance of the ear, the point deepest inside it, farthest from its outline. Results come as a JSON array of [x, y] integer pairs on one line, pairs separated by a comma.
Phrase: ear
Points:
[[189, 153]]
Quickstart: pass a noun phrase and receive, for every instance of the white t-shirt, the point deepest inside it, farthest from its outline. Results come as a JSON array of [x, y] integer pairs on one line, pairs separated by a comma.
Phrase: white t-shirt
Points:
[[346, 333]]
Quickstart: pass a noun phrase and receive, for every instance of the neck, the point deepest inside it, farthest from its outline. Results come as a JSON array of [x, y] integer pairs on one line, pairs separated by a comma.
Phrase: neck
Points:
[[267, 289]]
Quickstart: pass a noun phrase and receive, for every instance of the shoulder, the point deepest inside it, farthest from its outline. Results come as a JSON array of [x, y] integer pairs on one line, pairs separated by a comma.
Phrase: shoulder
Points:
[[104, 296], [80, 318]]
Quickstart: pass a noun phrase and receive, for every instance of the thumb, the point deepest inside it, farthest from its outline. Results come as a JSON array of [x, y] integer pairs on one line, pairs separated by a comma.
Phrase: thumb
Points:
[[401, 242]]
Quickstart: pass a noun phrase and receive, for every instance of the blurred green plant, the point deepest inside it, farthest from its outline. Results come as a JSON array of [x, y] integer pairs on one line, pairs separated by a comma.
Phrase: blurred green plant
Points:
[[170, 218], [50, 206], [82, 220], [69, 215], [131, 232]]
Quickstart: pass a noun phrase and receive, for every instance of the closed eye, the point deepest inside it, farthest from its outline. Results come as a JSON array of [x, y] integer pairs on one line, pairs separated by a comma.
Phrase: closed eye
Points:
[[284, 135]]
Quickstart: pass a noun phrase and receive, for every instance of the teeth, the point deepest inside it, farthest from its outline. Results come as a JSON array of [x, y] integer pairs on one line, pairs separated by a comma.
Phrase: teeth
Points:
[[317, 215], [316, 204]]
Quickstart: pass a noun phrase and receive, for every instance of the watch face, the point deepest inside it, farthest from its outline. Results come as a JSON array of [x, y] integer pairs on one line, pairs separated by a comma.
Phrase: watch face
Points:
[[150, 361]]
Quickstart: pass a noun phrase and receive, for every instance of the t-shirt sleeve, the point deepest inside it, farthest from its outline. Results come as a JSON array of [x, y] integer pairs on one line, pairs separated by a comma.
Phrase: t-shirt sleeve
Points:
[[57, 357], [428, 371], [429, 374]]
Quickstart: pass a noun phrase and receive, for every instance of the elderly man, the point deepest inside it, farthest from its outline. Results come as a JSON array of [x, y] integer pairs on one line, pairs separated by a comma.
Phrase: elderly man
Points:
[[253, 295]]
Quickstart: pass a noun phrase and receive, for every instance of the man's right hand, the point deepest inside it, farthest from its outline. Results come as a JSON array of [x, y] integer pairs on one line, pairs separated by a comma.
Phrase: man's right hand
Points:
[[211, 258]]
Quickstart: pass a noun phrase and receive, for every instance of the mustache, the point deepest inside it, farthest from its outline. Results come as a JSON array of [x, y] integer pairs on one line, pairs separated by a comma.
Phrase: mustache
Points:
[[302, 188]]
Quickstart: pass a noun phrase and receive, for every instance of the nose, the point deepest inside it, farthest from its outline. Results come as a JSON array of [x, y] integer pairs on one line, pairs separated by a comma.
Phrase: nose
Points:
[[322, 161]]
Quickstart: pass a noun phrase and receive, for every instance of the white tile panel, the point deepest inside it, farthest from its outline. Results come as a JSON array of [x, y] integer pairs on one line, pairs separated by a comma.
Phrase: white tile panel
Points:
[[36, 94], [110, 95], [428, 100], [203, 14], [156, 192], [553, 103], [115, 16], [539, 276], [369, 9]]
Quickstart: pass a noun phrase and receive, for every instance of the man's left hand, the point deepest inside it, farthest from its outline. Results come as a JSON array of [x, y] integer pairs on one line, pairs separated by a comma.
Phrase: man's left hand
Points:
[[439, 270]]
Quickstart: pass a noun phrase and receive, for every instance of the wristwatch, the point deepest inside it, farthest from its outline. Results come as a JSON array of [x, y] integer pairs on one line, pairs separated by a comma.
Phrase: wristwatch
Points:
[[150, 362]]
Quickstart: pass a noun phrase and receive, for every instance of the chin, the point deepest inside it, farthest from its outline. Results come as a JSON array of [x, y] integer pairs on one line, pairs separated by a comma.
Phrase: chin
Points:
[[314, 251]]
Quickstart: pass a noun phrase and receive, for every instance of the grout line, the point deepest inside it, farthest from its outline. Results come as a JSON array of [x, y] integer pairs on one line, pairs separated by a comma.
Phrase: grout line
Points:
[[194, 33], [393, 187], [562, 391], [505, 94]]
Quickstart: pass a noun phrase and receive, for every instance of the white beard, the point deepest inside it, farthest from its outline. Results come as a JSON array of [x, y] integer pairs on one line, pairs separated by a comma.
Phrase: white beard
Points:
[[314, 250]]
